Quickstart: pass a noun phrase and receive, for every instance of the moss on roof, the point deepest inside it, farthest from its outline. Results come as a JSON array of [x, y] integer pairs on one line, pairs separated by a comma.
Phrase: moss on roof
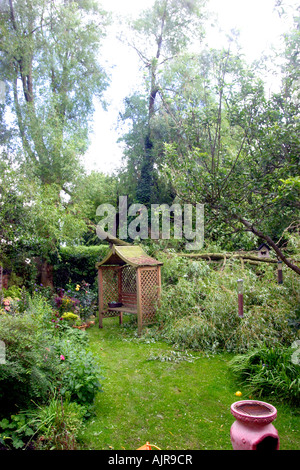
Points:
[[132, 255]]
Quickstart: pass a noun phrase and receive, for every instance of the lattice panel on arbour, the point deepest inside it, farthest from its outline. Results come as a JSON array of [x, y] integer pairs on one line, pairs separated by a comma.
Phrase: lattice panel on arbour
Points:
[[110, 286], [149, 294], [129, 279]]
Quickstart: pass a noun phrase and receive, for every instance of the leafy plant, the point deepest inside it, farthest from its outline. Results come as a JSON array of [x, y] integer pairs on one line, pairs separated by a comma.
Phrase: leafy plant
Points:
[[15, 432], [57, 424], [31, 367], [199, 307], [80, 374], [71, 317], [269, 371], [85, 297]]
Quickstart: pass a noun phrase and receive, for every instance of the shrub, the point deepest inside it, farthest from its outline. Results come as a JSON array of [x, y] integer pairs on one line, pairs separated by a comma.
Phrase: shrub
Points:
[[54, 426], [39, 308], [269, 371], [71, 317], [77, 263], [85, 297], [80, 374], [57, 424], [199, 307], [30, 367], [14, 292], [15, 432]]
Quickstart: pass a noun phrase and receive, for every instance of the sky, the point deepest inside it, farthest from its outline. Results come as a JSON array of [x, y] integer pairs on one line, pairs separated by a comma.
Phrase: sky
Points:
[[260, 29]]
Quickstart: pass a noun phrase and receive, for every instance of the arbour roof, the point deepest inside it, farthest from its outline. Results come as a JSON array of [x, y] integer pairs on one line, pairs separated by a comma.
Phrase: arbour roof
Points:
[[132, 255]]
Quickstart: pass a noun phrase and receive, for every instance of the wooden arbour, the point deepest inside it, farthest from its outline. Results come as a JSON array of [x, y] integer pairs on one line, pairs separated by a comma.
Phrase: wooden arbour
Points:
[[129, 277]]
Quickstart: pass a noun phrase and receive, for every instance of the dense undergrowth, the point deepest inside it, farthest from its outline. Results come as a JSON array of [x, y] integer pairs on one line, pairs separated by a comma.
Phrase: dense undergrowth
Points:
[[48, 375], [199, 306]]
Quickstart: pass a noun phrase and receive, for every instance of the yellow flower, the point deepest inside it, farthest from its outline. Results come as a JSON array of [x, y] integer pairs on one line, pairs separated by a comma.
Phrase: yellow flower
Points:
[[238, 394], [77, 287]]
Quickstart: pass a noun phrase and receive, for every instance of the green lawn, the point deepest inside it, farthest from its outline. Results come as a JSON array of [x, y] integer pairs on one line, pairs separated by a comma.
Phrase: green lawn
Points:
[[173, 405]]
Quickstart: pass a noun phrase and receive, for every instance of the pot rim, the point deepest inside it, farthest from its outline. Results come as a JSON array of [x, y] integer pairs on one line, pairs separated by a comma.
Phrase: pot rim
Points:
[[264, 418]]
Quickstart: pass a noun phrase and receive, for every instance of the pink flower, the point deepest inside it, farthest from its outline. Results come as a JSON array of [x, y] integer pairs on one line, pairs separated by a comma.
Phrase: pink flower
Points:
[[62, 357]]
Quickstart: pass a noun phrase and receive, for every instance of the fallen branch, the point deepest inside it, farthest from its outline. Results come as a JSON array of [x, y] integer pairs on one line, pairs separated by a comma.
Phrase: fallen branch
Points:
[[219, 256]]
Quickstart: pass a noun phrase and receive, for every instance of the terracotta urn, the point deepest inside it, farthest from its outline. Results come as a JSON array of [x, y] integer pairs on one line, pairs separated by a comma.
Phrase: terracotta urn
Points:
[[252, 429]]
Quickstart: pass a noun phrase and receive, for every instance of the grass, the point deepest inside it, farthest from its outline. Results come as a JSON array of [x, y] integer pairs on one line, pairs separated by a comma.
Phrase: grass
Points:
[[176, 401]]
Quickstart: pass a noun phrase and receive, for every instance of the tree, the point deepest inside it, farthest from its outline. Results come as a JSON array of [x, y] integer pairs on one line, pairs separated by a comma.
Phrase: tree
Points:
[[236, 148], [49, 53], [159, 35]]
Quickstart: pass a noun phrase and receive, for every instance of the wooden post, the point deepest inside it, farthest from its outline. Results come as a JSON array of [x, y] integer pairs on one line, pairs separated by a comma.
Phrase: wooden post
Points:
[[279, 272], [100, 293], [139, 301], [240, 298], [159, 284], [120, 294]]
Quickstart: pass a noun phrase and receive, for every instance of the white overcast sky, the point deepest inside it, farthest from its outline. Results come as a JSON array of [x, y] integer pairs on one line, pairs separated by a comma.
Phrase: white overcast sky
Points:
[[260, 29]]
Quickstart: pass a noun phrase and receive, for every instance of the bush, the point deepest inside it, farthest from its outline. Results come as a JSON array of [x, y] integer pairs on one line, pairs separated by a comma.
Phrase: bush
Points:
[[269, 371], [44, 353], [199, 307], [85, 297], [55, 425], [45, 357], [31, 368], [77, 264], [80, 373]]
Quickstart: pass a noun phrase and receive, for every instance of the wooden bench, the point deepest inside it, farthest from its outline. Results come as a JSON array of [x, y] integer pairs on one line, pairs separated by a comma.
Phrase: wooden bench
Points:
[[122, 310]]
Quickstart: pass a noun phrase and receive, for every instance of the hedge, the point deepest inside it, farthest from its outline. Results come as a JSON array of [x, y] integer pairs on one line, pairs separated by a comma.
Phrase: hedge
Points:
[[77, 263]]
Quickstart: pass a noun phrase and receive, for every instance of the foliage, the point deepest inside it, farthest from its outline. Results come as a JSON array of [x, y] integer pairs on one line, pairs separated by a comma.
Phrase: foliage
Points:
[[77, 299], [86, 297], [268, 372], [57, 424], [158, 36], [77, 263], [46, 51], [199, 307], [234, 147], [44, 353], [71, 317], [52, 426], [80, 373], [31, 367]]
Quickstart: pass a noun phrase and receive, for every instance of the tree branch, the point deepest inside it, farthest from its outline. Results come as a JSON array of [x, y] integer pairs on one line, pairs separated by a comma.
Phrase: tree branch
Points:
[[270, 242]]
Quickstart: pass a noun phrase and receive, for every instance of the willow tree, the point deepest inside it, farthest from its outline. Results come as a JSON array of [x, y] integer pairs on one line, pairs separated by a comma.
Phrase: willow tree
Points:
[[50, 62], [159, 35]]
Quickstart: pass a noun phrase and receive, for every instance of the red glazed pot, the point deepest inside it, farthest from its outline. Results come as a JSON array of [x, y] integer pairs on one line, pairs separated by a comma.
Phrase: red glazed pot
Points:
[[252, 429]]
